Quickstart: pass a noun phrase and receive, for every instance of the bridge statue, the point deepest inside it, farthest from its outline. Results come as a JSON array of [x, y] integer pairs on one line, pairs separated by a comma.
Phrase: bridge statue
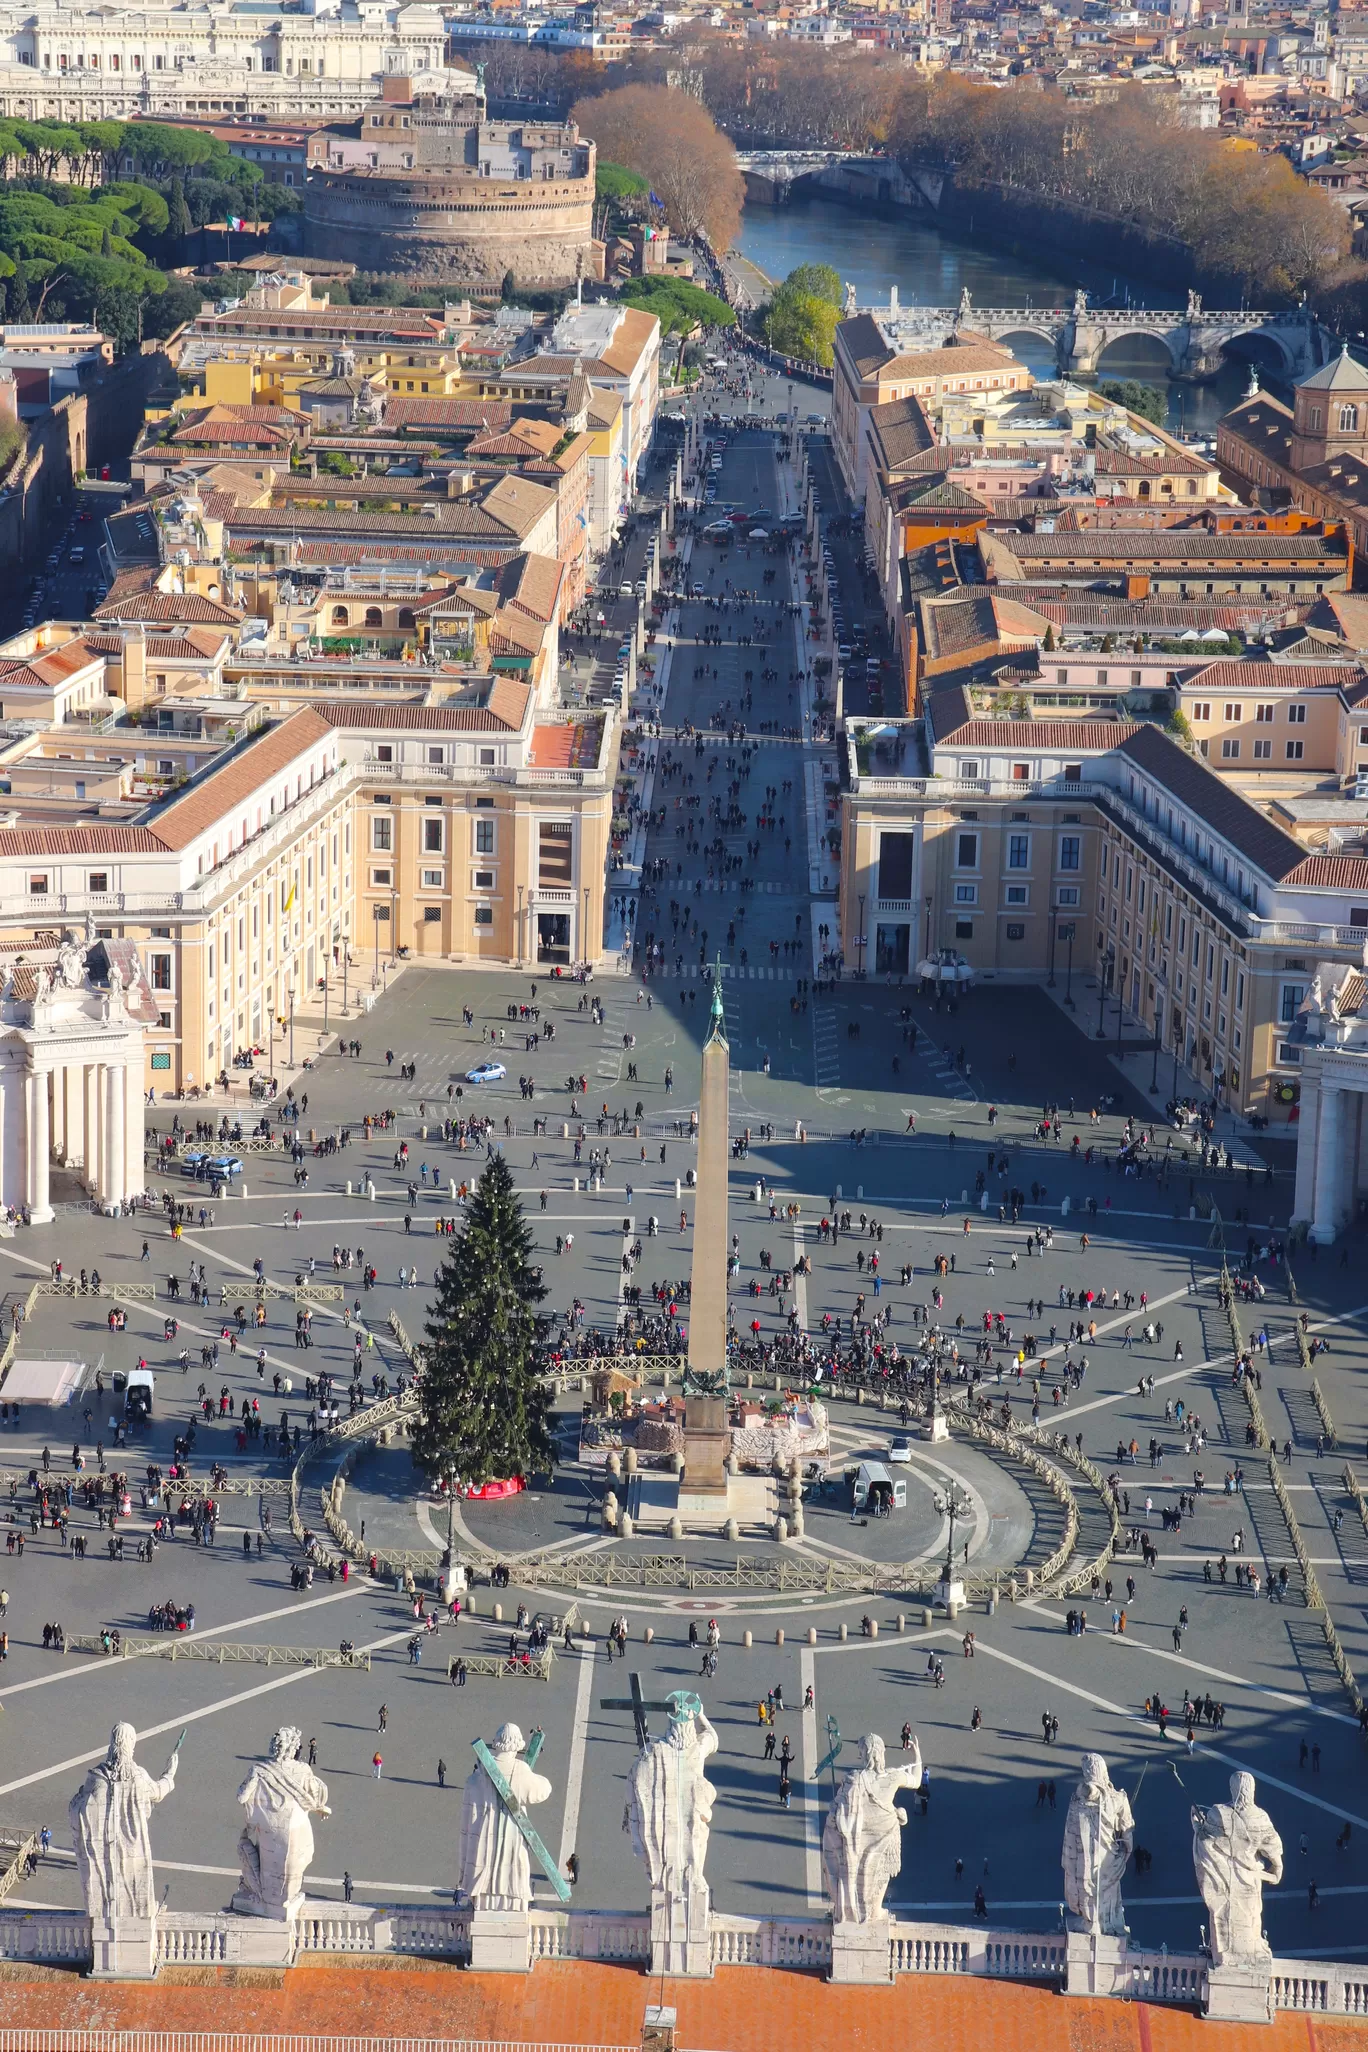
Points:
[[1080, 305], [1194, 304], [965, 304], [850, 306]]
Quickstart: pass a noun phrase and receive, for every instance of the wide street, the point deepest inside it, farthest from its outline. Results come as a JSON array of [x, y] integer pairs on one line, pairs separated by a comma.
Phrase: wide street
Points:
[[743, 880]]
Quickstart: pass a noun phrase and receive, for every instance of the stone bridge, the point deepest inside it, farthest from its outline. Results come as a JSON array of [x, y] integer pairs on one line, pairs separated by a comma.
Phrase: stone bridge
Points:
[[1194, 336], [771, 176]]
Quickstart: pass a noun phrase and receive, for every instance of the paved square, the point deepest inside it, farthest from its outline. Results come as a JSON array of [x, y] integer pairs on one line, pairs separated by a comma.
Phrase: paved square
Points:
[[858, 1059]]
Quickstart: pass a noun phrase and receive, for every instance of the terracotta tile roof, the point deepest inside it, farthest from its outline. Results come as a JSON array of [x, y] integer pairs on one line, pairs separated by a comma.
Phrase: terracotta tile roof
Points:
[[633, 334], [518, 503], [951, 363], [1332, 873], [1166, 545], [1256, 676], [216, 795], [147, 606], [1215, 801], [80, 840], [1023, 736], [863, 344], [532, 583], [502, 713], [453, 413], [195, 642]]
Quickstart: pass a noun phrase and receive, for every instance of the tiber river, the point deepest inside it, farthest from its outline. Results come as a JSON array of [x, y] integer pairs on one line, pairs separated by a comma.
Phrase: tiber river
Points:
[[931, 268]]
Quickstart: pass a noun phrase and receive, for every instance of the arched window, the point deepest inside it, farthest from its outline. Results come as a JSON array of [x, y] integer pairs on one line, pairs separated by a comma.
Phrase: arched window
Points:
[[1348, 420], [406, 617], [373, 616], [339, 616]]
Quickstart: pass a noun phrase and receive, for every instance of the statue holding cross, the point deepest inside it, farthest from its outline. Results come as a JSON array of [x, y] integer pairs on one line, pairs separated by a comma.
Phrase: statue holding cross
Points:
[[498, 1841]]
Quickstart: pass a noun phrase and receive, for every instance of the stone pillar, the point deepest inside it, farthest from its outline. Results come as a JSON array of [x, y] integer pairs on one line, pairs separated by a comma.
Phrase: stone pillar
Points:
[[59, 1127], [135, 1126], [500, 1941], [39, 1145], [94, 1127], [1308, 1125], [116, 1119], [1329, 1148], [863, 1952]]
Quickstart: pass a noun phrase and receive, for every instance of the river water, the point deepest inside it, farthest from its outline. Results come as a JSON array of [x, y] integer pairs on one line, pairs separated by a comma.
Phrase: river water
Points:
[[931, 268]]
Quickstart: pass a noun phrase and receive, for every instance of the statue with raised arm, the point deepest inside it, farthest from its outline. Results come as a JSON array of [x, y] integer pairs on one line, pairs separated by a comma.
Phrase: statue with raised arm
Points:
[[496, 1872], [1235, 1850], [109, 1825], [862, 1836], [669, 1814], [1099, 1832], [277, 1843]]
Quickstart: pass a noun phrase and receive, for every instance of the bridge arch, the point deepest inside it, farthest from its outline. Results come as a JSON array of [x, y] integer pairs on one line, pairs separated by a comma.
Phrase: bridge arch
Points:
[[1040, 338], [1266, 348], [1143, 350]]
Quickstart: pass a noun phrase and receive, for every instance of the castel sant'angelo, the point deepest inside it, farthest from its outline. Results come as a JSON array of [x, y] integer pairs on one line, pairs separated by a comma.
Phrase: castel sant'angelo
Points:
[[424, 186]]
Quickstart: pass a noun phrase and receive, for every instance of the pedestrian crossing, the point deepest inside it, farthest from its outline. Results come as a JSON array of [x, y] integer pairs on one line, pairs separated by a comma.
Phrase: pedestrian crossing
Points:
[[749, 972], [826, 1048], [771, 887], [947, 1075]]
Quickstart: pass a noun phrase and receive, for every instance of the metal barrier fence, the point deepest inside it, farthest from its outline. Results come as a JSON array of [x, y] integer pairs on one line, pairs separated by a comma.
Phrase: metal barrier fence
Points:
[[41, 2038], [222, 1652], [16, 1848]]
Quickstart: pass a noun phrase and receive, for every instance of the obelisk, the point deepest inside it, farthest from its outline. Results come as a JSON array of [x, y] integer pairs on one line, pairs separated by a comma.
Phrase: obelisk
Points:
[[707, 1429]]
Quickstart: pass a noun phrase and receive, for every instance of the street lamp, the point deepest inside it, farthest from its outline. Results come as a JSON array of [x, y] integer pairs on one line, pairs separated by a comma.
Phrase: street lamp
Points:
[[1104, 976], [584, 929], [1066, 933], [952, 1505], [394, 925]]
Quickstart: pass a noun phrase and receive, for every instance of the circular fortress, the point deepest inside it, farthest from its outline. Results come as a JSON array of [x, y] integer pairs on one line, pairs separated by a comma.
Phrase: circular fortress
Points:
[[424, 187]]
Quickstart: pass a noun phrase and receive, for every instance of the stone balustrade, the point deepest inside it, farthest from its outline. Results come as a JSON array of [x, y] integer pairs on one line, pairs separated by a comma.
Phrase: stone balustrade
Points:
[[443, 1930]]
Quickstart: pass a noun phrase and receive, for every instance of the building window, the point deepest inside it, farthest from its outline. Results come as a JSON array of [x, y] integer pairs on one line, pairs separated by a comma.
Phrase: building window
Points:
[[964, 929], [966, 852], [1015, 930], [437, 754], [38, 884], [896, 853], [382, 835], [1068, 894], [1263, 751], [966, 894], [555, 852], [161, 1057], [1289, 1055], [431, 914], [432, 837], [484, 915], [1230, 751], [1017, 894], [1292, 995], [1296, 715], [161, 972], [1202, 709], [1232, 714], [1264, 715], [484, 837], [382, 878], [1295, 750], [1018, 851], [484, 880], [1348, 420]]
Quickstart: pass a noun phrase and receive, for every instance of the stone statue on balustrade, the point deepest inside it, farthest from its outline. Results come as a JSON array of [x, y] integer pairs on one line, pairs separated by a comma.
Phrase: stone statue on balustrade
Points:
[[1099, 1833], [1235, 1850], [495, 1869], [109, 1824], [862, 1837], [277, 1843], [669, 1814]]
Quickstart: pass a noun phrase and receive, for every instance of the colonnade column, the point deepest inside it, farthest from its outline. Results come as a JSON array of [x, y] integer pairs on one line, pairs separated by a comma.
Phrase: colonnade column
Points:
[[73, 1094], [40, 1205], [94, 1129], [1329, 1146], [116, 1117]]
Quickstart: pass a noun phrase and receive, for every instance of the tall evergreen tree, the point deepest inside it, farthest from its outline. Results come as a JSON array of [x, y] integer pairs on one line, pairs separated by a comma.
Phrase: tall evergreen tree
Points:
[[178, 222], [484, 1407]]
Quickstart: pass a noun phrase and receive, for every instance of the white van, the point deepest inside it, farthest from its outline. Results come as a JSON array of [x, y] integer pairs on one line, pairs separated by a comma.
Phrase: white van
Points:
[[872, 1480]]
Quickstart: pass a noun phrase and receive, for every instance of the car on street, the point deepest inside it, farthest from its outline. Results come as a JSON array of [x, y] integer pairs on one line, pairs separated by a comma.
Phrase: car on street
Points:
[[900, 1449], [486, 1072], [223, 1167]]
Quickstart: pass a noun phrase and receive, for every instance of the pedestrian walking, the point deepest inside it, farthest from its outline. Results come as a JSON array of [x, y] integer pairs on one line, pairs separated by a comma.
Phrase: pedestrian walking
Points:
[[346, 1887], [377, 1765]]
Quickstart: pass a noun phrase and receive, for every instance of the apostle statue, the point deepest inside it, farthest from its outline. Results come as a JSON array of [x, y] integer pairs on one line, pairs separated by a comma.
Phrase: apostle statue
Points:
[[1099, 1832], [277, 1843], [495, 1870], [1235, 1850], [109, 1824], [670, 1802], [862, 1836]]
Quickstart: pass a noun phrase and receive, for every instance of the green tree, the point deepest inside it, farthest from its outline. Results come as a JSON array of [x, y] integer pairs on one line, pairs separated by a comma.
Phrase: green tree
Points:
[[178, 222], [106, 242], [800, 323], [679, 306], [483, 1414], [1149, 401], [818, 279]]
